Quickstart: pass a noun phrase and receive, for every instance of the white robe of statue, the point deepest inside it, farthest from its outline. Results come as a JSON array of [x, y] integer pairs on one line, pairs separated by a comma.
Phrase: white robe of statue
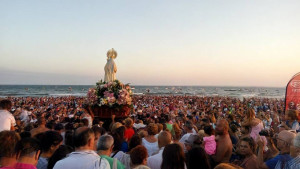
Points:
[[110, 70]]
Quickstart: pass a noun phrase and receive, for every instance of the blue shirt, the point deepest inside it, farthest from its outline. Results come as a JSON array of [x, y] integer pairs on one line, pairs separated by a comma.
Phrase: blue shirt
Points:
[[281, 157], [124, 147]]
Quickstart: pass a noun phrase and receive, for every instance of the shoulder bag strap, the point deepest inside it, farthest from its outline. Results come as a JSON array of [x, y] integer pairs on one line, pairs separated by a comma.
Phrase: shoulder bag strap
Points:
[[115, 166], [114, 154]]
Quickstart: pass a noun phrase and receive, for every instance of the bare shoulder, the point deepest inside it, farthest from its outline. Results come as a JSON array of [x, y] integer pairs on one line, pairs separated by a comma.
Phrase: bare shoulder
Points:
[[252, 163]]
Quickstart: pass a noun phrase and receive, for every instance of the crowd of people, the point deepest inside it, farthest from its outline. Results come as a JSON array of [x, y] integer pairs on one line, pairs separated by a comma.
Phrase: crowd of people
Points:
[[162, 132]]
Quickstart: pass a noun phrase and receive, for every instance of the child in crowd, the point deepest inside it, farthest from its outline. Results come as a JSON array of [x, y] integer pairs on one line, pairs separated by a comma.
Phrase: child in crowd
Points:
[[210, 144], [129, 132]]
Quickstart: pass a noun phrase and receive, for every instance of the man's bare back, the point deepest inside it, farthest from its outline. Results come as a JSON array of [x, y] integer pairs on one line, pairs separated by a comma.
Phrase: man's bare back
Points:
[[224, 149]]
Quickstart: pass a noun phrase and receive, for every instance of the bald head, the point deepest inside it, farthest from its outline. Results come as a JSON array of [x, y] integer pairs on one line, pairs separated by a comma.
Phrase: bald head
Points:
[[222, 127], [224, 123], [287, 136], [164, 138]]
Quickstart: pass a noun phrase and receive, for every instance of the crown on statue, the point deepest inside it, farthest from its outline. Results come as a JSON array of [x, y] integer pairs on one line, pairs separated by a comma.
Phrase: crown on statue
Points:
[[112, 53]]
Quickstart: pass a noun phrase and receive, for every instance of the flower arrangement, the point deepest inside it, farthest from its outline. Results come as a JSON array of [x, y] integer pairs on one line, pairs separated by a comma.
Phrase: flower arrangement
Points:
[[112, 94]]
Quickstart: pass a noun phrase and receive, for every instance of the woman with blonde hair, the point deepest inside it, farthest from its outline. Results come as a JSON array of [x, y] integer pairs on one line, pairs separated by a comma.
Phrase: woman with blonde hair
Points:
[[255, 124], [150, 141]]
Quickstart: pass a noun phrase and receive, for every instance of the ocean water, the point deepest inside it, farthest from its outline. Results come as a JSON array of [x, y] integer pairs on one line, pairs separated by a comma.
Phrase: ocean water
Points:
[[81, 90]]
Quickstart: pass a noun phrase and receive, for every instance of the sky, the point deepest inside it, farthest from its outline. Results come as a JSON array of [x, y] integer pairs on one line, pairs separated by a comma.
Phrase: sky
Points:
[[170, 42]]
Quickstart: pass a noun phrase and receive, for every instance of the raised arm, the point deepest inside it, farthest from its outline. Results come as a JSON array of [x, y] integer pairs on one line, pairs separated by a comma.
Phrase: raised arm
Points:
[[260, 155]]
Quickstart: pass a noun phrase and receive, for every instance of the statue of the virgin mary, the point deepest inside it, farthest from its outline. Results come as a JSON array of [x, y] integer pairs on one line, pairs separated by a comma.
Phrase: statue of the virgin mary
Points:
[[110, 67]]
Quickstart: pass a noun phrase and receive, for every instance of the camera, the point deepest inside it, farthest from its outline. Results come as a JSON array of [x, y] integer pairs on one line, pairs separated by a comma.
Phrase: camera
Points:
[[79, 113], [266, 133]]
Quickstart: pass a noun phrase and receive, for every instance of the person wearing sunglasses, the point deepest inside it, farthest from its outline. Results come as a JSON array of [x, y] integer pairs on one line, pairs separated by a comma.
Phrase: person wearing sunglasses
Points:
[[284, 141]]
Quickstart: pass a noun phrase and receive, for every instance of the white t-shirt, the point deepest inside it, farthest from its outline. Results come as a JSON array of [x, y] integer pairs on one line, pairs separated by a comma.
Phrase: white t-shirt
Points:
[[154, 162], [6, 120], [82, 159], [152, 148], [185, 137], [24, 116]]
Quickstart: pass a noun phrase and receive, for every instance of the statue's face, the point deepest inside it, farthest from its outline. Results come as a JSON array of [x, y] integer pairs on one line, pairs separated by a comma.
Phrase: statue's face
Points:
[[111, 55]]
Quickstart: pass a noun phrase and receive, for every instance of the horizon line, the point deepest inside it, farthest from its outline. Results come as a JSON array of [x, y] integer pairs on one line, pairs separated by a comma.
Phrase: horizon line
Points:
[[141, 85]]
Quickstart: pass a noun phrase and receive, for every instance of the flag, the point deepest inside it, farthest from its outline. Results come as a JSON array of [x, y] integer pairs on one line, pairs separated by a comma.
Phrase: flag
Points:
[[292, 95]]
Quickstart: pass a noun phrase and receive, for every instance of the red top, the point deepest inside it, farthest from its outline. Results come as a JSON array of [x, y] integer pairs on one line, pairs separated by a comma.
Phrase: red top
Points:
[[129, 132]]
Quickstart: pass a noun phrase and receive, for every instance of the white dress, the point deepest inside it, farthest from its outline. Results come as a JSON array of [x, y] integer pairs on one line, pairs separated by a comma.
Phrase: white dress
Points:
[[152, 148], [110, 71]]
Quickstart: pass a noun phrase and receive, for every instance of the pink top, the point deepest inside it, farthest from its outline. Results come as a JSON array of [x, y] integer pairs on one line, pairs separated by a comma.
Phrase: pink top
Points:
[[7, 167], [256, 129], [20, 166], [210, 145], [24, 166], [255, 132]]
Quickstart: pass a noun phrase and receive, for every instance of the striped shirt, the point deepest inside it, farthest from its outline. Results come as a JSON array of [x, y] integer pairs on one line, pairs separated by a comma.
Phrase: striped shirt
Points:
[[291, 164]]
